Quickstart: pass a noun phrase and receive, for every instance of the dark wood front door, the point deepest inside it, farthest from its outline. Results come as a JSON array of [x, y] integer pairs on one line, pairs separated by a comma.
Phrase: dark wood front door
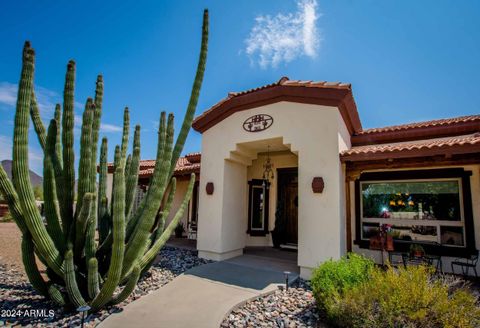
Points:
[[288, 195]]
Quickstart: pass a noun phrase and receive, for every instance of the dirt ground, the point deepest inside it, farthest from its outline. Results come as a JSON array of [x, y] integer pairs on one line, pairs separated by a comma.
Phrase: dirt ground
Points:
[[10, 244]]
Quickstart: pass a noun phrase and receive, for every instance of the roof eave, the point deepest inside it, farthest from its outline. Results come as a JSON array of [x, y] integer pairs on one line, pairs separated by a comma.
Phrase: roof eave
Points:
[[413, 153], [341, 98]]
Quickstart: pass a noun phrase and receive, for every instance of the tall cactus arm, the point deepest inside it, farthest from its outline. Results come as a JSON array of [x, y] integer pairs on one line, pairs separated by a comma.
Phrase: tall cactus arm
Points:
[[31, 269], [10, 195], [133, 221], [37, 121], [162, 130], [127, 167], [68, 151], [132, 175], [166, 209], [93, 283], [52, 211], [96, 122], [125, 135], [138, 242], [71, 282], [20, 170], [129, 286], [81, 222], [192, 104], [90, 246], [153, 251], [58, 142], [84, 167], [103, 217], [118, 246]]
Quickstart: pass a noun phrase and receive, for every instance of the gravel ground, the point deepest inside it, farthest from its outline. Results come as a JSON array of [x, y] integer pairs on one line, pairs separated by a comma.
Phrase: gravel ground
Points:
[[284, 309], [11, 238], [17, 295]]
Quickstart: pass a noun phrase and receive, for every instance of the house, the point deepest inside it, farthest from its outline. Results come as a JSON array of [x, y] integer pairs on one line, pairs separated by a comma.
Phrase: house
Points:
[[293, 154]]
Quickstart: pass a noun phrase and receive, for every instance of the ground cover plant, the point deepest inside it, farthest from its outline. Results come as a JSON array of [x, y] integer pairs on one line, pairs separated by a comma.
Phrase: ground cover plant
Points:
[[353, 293], [82, 269]]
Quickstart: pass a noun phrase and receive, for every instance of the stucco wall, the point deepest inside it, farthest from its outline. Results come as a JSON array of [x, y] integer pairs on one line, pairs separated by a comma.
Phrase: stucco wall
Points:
[[180, 192], [475, 192], [312, 132]]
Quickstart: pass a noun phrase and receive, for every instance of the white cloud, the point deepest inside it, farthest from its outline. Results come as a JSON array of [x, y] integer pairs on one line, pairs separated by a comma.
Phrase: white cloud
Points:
[[106, 128], [283, 38], [46, 100], [35, 156], [8, 94]]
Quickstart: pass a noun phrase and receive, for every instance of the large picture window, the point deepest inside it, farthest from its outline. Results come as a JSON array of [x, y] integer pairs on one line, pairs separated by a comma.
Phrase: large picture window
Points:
[[420, 206]]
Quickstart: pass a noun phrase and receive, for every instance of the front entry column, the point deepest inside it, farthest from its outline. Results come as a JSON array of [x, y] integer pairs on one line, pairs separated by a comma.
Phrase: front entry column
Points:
[[222, 227]]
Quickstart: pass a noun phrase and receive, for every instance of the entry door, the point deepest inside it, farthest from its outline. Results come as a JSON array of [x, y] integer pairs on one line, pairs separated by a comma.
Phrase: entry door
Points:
[[288, 193]]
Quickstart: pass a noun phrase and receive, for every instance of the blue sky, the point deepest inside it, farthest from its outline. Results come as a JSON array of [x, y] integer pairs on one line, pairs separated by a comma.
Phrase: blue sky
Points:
[[407, 61]]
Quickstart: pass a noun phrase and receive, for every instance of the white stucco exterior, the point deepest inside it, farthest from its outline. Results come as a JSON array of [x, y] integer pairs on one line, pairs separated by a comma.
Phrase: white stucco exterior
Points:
[[315, 134]]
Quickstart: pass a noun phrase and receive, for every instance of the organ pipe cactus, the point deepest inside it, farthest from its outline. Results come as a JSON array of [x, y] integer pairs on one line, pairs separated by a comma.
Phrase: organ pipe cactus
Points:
[[95, 249]]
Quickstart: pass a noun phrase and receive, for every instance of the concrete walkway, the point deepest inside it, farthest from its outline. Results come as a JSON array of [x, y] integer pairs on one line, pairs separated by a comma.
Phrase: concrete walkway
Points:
[[202, 296]]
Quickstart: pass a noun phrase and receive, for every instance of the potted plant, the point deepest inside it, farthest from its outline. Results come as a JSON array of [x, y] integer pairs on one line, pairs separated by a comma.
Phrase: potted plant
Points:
[[179, 230], [417, 250]]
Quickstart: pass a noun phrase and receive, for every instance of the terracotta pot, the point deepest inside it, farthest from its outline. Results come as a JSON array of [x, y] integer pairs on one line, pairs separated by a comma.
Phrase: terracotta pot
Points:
[[389, 245]]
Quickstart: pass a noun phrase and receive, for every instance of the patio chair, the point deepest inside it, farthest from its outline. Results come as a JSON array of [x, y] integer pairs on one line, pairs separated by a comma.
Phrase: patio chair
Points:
[[192, 230], [466, 264]]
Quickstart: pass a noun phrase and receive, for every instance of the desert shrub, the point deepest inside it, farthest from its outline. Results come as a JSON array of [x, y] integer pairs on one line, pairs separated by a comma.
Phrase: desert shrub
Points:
[[404, 298], [332, 278]]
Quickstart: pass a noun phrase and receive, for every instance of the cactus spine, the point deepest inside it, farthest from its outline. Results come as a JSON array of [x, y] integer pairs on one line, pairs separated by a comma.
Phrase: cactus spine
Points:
[[80, 269]]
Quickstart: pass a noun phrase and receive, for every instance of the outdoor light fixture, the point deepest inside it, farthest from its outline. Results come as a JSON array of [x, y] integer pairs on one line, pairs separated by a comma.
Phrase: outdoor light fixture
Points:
[[209, 188], [286, 273], [267, 169], [83, 309], [318, 185]]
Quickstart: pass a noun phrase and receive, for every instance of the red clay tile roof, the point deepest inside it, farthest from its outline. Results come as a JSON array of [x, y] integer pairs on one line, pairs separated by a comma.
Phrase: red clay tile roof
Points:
[[184, 166], [449, 127], [441, 146], [326, 93], [424, 124]]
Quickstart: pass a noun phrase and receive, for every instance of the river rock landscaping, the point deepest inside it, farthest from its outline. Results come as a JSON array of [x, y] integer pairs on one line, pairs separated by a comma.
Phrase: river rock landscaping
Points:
[[20, 301], [295, 307]]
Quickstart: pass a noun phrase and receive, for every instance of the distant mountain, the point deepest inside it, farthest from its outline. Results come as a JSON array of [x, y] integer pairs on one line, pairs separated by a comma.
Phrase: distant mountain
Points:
[[34, 177]]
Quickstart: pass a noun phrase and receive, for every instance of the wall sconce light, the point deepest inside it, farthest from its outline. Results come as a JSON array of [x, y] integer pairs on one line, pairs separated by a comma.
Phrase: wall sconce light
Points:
[[318, 185], [209, 188]]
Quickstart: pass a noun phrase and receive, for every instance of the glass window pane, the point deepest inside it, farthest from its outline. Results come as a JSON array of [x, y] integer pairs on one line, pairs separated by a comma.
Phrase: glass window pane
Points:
[[257, 208], [418, 233], [432, 200], [452, 236]]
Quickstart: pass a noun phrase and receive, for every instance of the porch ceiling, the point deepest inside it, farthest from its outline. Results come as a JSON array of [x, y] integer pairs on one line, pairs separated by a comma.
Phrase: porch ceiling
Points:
[[246, 152]]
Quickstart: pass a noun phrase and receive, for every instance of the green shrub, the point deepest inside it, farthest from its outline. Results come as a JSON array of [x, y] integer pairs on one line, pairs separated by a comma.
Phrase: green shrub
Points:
[[332, 278], [404, 298]]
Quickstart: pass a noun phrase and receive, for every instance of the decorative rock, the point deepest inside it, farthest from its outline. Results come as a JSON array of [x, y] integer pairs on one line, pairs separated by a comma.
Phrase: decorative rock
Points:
[[293, 308], [16, 293]]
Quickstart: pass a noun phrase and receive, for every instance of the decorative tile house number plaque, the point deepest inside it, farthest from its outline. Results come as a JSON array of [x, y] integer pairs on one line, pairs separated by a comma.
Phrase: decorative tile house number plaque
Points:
[[257, 123]]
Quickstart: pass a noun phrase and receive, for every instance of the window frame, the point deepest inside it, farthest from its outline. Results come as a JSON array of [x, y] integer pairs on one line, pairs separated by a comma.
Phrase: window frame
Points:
[[466, 213], [255, 183]]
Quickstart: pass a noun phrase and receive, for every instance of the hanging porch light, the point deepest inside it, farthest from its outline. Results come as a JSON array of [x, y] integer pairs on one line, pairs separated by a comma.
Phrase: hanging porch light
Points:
[[267, 169]]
